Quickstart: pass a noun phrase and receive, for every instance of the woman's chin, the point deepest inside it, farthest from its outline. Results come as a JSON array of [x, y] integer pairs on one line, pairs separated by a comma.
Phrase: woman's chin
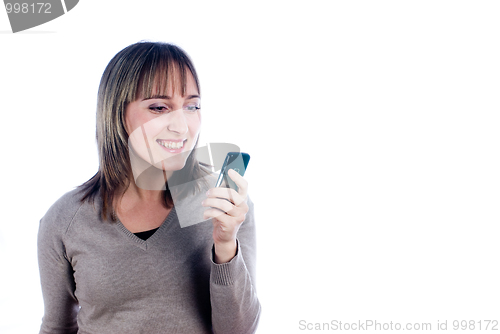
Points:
[[170, 167]]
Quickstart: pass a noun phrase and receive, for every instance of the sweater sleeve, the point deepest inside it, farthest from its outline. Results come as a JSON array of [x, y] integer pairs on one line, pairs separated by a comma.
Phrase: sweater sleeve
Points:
[[56, 275], [235, 306]]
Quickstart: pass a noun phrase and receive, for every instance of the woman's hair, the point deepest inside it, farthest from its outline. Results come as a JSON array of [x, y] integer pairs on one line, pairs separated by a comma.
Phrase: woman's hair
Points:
[[133, 73]]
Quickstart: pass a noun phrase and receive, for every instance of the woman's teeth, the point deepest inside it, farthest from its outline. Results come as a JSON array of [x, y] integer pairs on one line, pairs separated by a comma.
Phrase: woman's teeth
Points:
[[172, 145]]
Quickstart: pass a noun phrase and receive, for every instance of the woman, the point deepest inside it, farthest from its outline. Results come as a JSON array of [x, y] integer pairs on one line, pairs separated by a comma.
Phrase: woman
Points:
[[113, 257]]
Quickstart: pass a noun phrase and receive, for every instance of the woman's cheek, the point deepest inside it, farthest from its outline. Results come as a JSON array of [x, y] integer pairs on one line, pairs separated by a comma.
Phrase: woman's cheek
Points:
[[153, 127], [140, 146], [195, 127]]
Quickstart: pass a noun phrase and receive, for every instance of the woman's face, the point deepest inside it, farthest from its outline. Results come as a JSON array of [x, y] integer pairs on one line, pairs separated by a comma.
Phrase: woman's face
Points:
[[163, 129]]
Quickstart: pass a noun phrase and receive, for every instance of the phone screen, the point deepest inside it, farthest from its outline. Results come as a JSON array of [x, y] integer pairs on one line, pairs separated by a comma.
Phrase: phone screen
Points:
[[234, 160]]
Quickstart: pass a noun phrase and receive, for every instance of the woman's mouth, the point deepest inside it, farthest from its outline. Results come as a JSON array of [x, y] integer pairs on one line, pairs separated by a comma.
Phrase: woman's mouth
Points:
[[172, 146]]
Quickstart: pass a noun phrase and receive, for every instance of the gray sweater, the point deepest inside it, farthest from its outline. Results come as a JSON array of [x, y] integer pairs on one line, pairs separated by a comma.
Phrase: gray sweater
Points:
[[99, 278]]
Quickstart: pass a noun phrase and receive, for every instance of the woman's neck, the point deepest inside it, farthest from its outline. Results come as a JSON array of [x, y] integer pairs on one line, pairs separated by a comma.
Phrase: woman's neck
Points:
[[138, 194], [140, 209]]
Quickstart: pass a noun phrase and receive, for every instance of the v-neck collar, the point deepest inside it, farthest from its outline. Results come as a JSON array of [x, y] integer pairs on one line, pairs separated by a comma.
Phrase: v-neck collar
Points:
[[144, 244]]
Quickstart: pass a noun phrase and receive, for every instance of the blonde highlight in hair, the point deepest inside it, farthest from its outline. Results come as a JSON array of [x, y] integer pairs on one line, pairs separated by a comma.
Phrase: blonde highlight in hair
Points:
[[141, 70]]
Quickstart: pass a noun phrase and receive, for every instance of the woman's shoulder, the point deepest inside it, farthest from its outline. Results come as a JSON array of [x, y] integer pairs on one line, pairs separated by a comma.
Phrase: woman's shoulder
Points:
[[61, 213]]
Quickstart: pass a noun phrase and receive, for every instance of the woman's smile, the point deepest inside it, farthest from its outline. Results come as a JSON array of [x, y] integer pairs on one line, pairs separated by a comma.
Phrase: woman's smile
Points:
[[172, 145]]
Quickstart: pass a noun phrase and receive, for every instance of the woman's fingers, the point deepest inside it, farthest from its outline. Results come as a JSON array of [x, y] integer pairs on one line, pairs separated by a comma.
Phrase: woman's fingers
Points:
[[240, 182], [227, 220], [218, 203], [237, 212], [228, 194]]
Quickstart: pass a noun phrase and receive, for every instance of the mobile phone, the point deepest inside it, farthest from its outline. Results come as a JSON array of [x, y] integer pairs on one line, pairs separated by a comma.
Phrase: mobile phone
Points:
[[234, 160]]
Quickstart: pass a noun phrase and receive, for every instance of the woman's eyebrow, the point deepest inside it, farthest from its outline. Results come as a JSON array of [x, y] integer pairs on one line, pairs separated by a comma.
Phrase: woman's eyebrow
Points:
[[166, 97]]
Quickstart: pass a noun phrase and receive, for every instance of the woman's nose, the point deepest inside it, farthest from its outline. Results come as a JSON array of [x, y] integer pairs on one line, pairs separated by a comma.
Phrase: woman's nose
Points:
[[177, 122]]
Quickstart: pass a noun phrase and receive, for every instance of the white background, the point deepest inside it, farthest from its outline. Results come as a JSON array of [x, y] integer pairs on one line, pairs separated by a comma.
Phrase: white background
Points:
[[372, 126]]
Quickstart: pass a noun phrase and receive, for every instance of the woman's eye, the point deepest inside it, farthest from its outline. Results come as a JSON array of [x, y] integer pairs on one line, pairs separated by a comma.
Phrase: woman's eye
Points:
[[192, 108], [157, 109]]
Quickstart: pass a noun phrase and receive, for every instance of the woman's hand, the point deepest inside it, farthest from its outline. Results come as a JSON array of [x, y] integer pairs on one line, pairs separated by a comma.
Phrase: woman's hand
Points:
[[228, 210]]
